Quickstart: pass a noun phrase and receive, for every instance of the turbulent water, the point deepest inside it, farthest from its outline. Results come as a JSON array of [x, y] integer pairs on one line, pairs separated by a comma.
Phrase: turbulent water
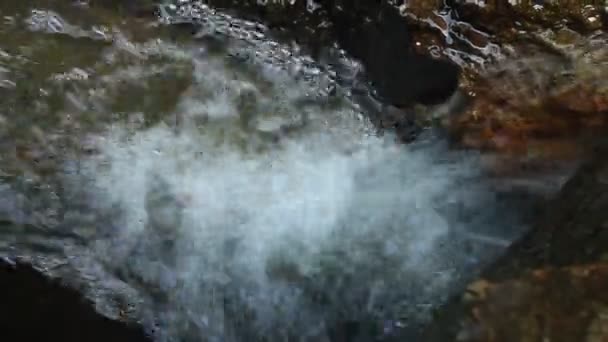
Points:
[[224, 194]]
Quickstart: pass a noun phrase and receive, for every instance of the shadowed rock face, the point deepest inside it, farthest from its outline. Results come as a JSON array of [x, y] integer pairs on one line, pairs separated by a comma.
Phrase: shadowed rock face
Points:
[[384, 45], [35, 308], [372, 31]]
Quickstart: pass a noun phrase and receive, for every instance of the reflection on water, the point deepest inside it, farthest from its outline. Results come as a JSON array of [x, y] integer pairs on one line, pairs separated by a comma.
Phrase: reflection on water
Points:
[[227, 195]]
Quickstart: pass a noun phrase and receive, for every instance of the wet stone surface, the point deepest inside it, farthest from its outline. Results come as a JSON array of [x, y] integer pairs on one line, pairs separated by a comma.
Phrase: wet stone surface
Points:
[[213, 183]]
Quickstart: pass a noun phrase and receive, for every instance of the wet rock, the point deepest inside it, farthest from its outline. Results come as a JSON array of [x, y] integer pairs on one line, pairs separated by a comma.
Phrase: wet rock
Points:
[[563, 304], [406, 123], [373, 32], [138, 8], [36, 308], [473, 33], [542, 105], [153, 258], [547, 286], [163, 209], [535, 70]]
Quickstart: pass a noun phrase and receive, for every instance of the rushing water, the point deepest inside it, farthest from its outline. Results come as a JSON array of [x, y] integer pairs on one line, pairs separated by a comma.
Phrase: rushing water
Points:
[[225, 188]]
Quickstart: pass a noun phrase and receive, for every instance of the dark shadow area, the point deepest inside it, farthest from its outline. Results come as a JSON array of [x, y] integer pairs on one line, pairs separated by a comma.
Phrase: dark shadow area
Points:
[[375, 33], [34, 308]]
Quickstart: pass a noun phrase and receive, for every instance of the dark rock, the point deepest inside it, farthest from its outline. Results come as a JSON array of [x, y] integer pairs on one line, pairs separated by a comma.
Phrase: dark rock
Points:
[[137, 8], [371, 31], [35, 308], [379, 36]]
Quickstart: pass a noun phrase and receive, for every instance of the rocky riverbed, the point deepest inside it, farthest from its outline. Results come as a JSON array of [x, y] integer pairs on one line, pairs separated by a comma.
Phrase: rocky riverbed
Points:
[[220, 179]]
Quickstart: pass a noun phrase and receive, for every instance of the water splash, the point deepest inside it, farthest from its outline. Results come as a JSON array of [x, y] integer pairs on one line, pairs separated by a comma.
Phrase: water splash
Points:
[[244, 229], [258, 205]]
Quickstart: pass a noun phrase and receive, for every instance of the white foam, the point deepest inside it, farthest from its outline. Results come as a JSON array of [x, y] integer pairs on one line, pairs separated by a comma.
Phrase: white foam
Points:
[[345, 211]]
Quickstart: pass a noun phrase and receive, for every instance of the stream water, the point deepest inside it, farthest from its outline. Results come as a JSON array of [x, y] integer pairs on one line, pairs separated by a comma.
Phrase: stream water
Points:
[[222, 186]]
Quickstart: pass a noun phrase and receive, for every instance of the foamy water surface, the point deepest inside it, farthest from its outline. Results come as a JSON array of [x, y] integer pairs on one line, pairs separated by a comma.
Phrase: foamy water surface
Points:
[[283, 232], [246, 207]]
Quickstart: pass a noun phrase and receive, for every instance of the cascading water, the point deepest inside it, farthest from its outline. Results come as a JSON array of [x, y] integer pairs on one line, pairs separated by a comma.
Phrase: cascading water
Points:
[[255, 209], [282, 219]]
